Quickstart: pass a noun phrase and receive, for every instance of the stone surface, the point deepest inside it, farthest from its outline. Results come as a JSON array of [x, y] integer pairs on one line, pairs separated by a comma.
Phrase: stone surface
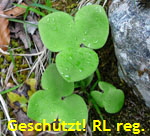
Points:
[[130, 27]]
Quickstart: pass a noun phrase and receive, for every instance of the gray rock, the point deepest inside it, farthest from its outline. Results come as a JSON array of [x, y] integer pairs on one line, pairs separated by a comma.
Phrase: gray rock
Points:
[[130, 27]]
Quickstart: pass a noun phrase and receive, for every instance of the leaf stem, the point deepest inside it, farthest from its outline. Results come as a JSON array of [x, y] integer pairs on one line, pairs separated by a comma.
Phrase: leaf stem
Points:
[[98, 74], [97, 109]]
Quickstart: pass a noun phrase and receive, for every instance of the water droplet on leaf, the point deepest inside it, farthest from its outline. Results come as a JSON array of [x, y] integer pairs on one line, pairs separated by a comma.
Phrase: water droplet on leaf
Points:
[[67, 76], [70, 57], [80, 70], [48, 19], [85, 32], [96, 41], [84, 39], [89, 45], [62, 73]]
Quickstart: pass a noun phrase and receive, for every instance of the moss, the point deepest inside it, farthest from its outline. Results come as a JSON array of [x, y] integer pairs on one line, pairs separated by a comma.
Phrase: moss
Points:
[[1, 114], [3, 75], [15, 70], [8, 58], [4, 66], [1, 60], [32, 75], [19, 81], [20, 50], [24, 66], [70, 8], [67, 5], [18, 57], [24, 72], [14, 43]]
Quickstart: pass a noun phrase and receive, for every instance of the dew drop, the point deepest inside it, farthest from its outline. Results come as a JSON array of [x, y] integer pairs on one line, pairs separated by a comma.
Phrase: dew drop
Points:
[[67, 76], [85, 32], [48, 19], [70, 57], [80, 70], [98, 10], [89, 45], [84, 39], [88, 54], [62, 73], [96, 41]]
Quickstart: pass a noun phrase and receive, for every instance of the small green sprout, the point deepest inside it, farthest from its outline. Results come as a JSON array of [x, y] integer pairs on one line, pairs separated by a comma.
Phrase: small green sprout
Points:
[[111, 99]]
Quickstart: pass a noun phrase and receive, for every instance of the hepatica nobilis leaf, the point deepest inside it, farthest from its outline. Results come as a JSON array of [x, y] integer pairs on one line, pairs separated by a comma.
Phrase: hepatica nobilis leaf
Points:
[[63, 33], [104, 86], [112, 99], [56, 31], [90, 27], [54, 83], [75, 65], [56, 102]]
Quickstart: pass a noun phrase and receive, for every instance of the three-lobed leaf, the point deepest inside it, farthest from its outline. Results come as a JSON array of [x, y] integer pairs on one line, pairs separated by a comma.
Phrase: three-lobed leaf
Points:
[[112, 99], [63, 33], [57, 100], [70, 109], [60, 31]]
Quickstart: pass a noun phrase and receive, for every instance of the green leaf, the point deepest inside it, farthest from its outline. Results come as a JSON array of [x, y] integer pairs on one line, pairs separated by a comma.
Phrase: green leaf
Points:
[[93, 26], [98, 97], [44, 105], [52, 81], [113, 101], [75, 65], [56, 31], [75, 109], [60, 31], [105, 86], [57, 101]]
